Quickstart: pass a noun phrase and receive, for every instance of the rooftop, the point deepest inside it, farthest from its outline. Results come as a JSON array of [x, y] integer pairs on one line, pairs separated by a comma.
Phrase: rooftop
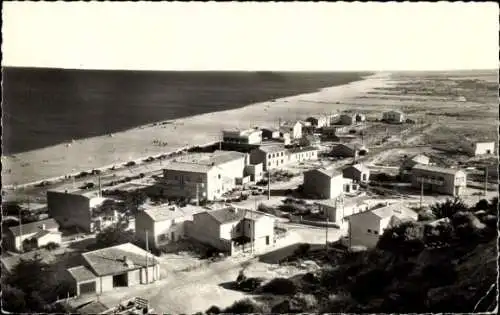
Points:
[[34, 227], [360, 167], [11, 261], [327, 172], [231, 214], [169, 212], [81, 273], [436, 169], [348, 202], [302, 149], [272, 148], [111, 260], [203, 162], [396, 209], [242, 132]]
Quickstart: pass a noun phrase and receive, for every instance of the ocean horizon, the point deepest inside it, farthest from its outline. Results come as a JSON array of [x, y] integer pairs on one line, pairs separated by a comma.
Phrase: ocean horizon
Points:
[[46, 106]]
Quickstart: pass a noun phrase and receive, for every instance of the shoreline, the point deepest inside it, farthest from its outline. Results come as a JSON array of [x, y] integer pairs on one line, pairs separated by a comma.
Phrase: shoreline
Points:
[[174, 135]]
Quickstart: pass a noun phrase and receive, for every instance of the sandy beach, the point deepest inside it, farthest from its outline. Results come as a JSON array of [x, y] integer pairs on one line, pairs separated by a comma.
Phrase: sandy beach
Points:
[[155, 139]]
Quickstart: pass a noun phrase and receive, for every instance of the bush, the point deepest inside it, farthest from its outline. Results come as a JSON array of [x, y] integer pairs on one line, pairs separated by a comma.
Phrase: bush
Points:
[[482, 204], [305, 302], [281, 286], [245, 306], [250, 284], [448, 208], [439, 274], [426, 216], [52, 246], [213, 310], [131, 163], [406, 238], [302, 250]]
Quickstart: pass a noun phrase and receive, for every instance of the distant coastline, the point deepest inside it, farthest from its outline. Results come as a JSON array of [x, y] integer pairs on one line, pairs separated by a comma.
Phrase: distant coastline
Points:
[[46, 106]]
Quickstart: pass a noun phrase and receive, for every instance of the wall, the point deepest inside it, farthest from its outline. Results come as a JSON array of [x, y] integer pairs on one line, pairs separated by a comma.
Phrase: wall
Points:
[[69, 209], [230, 230], [317, 184], [142, 223], [106, 283], [206, 230], [359, 226], [449, 180], [482, 148], [50, 238], [134, 277], [152, 274], [183, 184]]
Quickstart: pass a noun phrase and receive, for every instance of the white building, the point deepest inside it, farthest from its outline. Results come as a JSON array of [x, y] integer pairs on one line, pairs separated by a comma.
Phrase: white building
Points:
[[40, 232], [323, 183], [204, 176], [479, 148], [293, 128], [366, 227], [164, 224], [247, 136], [277, 156], [393, 116], [337, 209]]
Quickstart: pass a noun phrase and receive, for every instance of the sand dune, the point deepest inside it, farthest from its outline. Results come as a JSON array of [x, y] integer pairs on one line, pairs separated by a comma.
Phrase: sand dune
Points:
[[141, 142]]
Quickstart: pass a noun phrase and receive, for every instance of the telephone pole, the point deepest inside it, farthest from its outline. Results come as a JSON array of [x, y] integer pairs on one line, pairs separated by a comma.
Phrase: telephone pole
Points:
[[21, 229], [268, 185], [485, 181], [147, 251], [197, 194], [421, 192], [326, 236]]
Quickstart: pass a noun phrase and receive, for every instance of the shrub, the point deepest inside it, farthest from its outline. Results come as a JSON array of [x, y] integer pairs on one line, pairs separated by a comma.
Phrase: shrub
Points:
[[281, 286], [448, 208], [213, 310], [426, 216], [482, 204], [439, 274], [305, 302], [250, 284], [131, 163], [245, 306], [52, 246], [302, 250], [406, 238], [265, 208]]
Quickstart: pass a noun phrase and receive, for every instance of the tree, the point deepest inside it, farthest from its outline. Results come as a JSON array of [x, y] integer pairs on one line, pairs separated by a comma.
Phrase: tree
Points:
[[115, 234], [245, 306], [406, 238], [482, 204], [134, 200], [448, 208]]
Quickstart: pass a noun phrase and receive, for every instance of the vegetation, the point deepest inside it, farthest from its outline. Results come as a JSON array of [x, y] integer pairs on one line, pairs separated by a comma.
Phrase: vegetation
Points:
[[423, 267], [115, 234], [32, 287]]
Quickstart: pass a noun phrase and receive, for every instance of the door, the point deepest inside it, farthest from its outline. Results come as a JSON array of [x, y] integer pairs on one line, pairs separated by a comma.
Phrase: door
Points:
[[267, 240], [173, 236], [88, 287]]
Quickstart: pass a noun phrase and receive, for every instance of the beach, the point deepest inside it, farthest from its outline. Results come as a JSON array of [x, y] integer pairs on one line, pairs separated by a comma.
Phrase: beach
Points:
[[164, 137]]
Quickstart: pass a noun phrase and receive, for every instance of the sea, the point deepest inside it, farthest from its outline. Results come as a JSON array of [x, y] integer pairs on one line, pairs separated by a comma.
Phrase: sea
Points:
[[44, 107]]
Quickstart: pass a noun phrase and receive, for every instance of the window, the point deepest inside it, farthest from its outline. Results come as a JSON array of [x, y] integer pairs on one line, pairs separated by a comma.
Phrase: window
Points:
[[162, 237], [269, 156], [281, 161], [218, 176], [375, 232], [269, 164], [369, 231]]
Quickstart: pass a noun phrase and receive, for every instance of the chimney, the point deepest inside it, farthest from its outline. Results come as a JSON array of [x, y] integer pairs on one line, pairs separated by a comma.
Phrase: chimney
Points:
[[128, 262]]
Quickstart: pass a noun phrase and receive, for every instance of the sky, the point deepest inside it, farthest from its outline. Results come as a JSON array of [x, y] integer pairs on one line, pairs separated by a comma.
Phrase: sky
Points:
[[251, 36]]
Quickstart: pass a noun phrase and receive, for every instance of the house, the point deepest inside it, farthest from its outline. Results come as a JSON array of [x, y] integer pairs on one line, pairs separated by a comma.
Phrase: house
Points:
[[366, 227], [349, 186], [332, 132], [348, 150], [270, 156], [335, 210], [270, 133], [40, 233], [322, 183], [277, 156], [479, 148], [255, 171], [319, 121], [299, 155], [357, 172], [350, 119], [310, 140], [226, 228], [410, 162], [393, 117], [124, 265], [293, 128], [493, 170], [239, 136], [81, 210], [438, 179], [163, 224], [204, 176]]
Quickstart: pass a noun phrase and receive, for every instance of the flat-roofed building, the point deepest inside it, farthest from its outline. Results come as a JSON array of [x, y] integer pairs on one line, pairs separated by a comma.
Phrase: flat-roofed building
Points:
[[278, 156], [439, 179], [204, 176], [242, 136], [394, 117]]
